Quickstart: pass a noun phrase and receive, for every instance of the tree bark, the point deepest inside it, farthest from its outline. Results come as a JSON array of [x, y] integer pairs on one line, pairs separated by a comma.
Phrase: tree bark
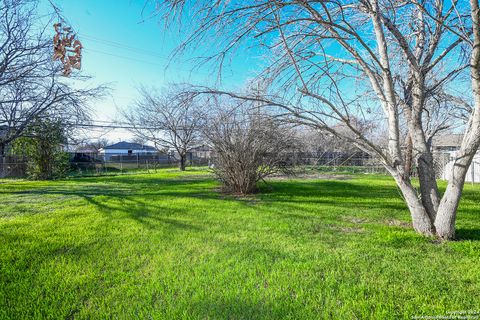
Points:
[[420, 219], [430, 195], [182, 165], [408, 154], [447, 211], [3, 161]]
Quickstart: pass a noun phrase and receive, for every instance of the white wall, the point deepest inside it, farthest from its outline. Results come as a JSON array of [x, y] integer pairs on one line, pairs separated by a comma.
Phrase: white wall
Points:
[[473, 174], [124, 151], [108, 153]]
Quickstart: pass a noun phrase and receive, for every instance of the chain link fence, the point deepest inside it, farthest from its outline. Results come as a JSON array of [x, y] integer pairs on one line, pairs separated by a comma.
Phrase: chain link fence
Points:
[[16, 167], [13, 167], [129, 164]]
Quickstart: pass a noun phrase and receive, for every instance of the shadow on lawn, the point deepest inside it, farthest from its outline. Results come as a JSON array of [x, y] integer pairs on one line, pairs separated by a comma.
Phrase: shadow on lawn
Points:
[[124, 188], [463, 234], [226, 308], [149, 215], [122, 196], [308, 196]]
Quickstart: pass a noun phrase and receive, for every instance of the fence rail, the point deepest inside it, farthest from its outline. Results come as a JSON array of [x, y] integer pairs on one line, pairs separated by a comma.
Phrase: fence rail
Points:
[[355, 163], [123, 166], [126, 166], [13, 169]]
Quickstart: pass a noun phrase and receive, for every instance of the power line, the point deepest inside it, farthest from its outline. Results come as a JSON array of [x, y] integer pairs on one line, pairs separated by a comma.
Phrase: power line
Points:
[[108, 126], [112, 125], [144, 61], [134, 49], [126, 47], [124, 57]]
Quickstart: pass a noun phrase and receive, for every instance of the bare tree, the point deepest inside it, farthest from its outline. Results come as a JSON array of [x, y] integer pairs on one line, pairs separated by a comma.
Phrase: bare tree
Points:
[[321, 145], [340, 60], [248, 145], [169, 119], [94, 145], [31, 84]]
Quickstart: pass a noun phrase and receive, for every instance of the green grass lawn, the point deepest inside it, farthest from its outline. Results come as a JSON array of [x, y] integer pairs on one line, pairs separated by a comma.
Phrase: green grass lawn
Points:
[[168, 246]]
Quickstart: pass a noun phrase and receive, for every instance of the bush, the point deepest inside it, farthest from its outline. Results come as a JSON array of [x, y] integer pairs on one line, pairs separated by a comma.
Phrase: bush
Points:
[[42, 146], [247, 148]]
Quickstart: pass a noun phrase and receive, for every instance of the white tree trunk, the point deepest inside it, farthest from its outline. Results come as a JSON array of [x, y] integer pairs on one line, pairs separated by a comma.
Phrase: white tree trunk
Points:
[[447, 211], [421, 221], [430, 196]]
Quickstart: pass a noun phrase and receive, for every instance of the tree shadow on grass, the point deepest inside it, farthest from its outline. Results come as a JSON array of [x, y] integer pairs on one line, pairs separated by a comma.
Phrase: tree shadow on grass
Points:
[[149, 215], [462, 234], [173, 188], [237, 308], [297, 199]]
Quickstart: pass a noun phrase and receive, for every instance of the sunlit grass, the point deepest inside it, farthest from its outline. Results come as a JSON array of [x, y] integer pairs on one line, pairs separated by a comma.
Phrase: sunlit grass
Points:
[[168, 245]]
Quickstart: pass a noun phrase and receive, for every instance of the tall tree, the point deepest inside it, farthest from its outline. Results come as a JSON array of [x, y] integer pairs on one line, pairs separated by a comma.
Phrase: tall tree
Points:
[[340, 60]]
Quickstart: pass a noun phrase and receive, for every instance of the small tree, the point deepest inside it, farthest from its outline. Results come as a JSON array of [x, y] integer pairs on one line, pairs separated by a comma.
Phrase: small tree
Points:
[[42, 146], [248, 147], [169, 119]]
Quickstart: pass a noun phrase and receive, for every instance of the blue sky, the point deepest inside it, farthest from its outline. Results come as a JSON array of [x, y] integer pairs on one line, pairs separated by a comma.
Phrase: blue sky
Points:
[[125, 50]]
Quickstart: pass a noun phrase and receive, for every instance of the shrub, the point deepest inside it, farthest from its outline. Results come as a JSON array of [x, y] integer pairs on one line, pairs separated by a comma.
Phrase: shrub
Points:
[[247, 148], [42, 146]]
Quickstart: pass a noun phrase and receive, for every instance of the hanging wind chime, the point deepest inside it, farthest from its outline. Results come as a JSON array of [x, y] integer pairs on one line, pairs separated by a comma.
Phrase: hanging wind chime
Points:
[[67, 49]]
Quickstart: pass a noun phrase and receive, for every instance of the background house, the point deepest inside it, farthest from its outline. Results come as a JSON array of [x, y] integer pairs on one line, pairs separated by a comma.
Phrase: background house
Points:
[[201, 152], [125, 148], [447, 143], [445, 148], [84, 154]]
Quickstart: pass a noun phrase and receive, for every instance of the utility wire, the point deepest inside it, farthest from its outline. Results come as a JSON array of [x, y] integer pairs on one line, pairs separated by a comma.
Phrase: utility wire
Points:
[[124, 57], [144, 61], [125, 46], [112, 125]]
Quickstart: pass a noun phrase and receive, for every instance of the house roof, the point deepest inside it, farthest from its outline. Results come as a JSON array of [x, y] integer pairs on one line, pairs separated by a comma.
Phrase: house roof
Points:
[[202, 147], [85, 150], [448, 140], [123, 145]]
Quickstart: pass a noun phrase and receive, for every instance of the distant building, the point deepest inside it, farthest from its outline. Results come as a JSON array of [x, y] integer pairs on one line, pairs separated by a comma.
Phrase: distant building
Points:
[[201, 152], [447, 142], [448, 146], [127, 149], [85, 154]]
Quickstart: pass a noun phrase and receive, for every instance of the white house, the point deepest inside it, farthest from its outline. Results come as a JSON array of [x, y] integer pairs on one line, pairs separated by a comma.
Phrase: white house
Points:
[[473, 173], [449, 145], [125, 148]]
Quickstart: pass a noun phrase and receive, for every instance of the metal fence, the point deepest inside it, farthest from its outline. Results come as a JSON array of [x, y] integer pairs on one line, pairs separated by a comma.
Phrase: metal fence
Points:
[[327, 162], [13, 169], [124, 165]]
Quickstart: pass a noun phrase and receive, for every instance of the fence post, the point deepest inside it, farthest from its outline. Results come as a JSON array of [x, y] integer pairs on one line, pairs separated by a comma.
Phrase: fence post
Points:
[[473, 172]]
